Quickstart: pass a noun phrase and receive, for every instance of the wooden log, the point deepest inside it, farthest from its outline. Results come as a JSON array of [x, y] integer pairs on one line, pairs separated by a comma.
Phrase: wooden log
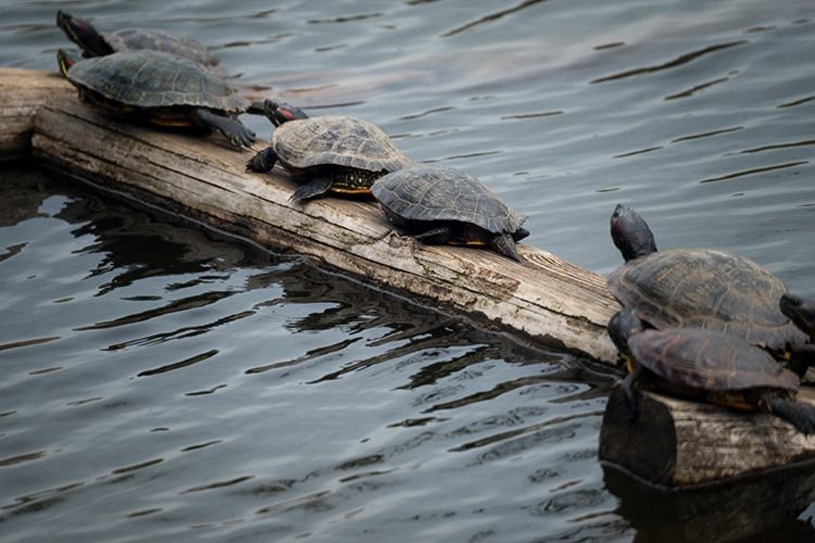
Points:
[[677, 443], [546, 300], [21, 93]]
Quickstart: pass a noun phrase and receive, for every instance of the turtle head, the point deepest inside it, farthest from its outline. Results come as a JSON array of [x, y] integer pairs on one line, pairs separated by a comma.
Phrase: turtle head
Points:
[[82, 33], [631, 234], [280, 113], [65, 60], [622, 325], [799, 311]]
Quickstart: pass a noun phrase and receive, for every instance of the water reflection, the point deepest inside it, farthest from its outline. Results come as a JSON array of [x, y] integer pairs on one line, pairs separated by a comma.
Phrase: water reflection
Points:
[[751, 509]]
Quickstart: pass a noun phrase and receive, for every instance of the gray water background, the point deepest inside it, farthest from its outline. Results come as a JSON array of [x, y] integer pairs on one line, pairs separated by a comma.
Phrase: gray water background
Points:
[[157, 383]]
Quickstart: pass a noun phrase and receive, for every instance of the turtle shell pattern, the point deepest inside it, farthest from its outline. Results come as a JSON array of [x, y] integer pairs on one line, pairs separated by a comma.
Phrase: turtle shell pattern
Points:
[[430, 193], [703, 288], [705, 360], [337, 140], [156, 79], [132, 39]]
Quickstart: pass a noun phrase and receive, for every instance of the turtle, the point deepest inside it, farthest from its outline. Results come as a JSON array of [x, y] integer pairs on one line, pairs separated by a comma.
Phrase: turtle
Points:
[[94, 44], [162, 88], [709, 366], [336, 153], [698, 288], [445, 205]]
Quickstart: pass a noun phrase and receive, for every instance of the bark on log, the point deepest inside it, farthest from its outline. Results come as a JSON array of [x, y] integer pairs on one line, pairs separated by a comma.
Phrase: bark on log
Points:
[[677, 443]]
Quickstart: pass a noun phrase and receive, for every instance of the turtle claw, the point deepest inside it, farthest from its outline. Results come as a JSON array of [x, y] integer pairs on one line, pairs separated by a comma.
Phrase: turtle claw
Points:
[[262, 162]]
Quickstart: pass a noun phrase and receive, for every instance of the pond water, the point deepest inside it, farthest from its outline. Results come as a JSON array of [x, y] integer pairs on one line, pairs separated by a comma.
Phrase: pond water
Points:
[[160, 383]]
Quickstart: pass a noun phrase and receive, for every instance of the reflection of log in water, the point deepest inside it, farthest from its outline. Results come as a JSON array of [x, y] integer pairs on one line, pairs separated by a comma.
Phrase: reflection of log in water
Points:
[[22, 196], [759, 508]]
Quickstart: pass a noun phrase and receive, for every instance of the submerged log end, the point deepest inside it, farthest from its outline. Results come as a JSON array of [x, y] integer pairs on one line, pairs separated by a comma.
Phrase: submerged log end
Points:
[[677, 443]]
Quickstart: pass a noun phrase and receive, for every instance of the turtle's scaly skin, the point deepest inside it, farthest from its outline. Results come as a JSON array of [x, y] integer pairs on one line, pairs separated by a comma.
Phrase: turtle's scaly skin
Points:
[[424, 198], [160, 87], [94, 44]]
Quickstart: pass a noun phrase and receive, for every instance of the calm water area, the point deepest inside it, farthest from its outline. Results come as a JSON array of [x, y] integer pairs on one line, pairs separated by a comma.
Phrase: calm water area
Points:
[[159, 383]]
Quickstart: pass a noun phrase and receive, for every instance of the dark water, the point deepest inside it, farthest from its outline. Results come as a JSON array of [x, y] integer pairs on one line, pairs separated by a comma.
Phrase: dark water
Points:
[[157, 383]]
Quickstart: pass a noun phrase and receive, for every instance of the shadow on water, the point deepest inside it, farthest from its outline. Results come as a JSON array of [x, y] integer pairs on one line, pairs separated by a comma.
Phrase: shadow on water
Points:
[[768, 507]]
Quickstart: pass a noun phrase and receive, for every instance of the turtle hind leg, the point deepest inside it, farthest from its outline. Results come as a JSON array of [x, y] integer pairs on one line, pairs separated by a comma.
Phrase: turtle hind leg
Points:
[[504, 244], [232, 129], [312, 189], [435, 236], [262, 162], [799, 414]]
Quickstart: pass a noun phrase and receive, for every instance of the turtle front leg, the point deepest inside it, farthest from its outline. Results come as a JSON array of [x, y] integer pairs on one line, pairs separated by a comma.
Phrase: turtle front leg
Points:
[[232, 129], [262, 162]]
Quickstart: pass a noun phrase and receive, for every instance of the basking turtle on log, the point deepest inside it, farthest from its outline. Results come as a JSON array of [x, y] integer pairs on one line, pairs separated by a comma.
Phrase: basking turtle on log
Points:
[[444, 205], [332, 153], [95, 44], [161, 88], [707, 365], [699, 288]]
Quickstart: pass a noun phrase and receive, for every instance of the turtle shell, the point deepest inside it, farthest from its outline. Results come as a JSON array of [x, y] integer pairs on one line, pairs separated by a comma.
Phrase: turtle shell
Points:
[[150, 79], [337, 140], [705, 360], [431, 193], [703, 288], [133, 39]]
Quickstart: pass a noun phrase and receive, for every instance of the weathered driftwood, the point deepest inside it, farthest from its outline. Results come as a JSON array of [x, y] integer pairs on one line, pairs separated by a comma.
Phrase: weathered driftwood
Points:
[[546, 299], [678, 443], [21, 93]]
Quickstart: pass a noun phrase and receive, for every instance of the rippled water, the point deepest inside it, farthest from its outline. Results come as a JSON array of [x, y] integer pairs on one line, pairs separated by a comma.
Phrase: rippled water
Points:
[[159, 383]]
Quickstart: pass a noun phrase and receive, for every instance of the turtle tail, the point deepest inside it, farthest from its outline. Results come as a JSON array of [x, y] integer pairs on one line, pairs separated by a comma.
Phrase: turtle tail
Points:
[[799, 414], [504, 244]]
